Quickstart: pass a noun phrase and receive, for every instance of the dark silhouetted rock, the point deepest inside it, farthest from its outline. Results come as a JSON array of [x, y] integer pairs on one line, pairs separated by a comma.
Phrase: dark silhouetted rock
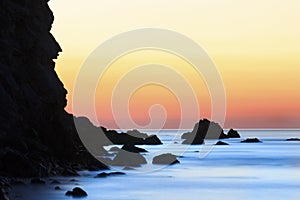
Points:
[[39, 133], [102, 175], [133, 149], [221, 143], [204, 129], [165, 159], [293, 139], [233, 134], [116, 173], [57, 188], [76, 192], [251, 140], [37, 181]]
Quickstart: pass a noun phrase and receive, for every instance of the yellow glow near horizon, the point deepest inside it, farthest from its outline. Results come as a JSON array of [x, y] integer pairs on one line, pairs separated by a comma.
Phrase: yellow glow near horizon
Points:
[[255, 45]]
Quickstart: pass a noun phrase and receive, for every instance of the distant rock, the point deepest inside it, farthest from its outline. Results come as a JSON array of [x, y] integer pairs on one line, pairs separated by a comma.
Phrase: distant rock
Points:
[[221, 143], [293, 139], [204, 129], [233, 134], [165, 159], [251, 140], [77, 192]]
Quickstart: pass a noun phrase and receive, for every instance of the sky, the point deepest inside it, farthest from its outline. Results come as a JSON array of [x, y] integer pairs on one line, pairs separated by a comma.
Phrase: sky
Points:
[[255, 46]]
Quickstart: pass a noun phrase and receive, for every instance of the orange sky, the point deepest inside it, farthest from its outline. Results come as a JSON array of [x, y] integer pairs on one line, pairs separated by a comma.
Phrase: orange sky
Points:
[[254, 44]]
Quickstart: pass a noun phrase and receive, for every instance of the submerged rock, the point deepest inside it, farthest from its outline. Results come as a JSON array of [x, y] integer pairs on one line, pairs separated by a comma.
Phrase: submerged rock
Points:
[[251, 140], [165, 159]]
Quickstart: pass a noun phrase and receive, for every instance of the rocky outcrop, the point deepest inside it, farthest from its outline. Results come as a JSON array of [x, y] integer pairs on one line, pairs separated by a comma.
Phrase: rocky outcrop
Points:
[[204, 129], [230, 134], [100, 136], [35, 131]]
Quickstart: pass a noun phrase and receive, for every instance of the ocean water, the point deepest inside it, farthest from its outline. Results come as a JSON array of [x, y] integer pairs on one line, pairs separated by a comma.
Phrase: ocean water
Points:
[[267, 170]]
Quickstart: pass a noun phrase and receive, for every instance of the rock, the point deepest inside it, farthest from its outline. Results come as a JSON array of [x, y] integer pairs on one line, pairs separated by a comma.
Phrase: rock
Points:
[[128, 168], [68, 193], [133, 149], [126, 158], [115, 149], [116, 173], [76, 192], [204, 129], [165, 159], [293, 139], [73, 180], [12, 160], [221, 143], [57, 188], [37, 181], [233, 134], [102, 175], [251, 140]]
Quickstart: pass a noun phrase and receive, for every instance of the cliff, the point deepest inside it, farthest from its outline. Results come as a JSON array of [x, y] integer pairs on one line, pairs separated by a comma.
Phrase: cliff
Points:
[[35, 131]]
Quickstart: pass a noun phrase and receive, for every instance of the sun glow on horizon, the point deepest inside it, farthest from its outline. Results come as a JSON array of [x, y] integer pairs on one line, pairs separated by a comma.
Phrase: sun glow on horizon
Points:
[[255, 45]]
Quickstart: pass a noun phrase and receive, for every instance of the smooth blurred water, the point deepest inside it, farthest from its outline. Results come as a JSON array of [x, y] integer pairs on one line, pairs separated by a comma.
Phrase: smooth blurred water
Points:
[[267, 170]]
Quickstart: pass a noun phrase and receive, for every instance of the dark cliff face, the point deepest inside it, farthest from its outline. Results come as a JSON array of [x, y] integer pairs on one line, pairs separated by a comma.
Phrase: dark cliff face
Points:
[[33, 123]]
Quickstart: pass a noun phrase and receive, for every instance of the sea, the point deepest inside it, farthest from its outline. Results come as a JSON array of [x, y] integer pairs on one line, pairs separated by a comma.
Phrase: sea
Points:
[[241, 171]]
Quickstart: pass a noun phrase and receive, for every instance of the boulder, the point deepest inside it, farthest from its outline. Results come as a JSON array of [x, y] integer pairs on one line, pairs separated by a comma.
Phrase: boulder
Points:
[[76, 192], [165, 159]]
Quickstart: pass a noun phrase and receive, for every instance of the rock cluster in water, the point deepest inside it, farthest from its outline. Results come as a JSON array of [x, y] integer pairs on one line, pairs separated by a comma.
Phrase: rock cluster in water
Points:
[[206, 129]]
